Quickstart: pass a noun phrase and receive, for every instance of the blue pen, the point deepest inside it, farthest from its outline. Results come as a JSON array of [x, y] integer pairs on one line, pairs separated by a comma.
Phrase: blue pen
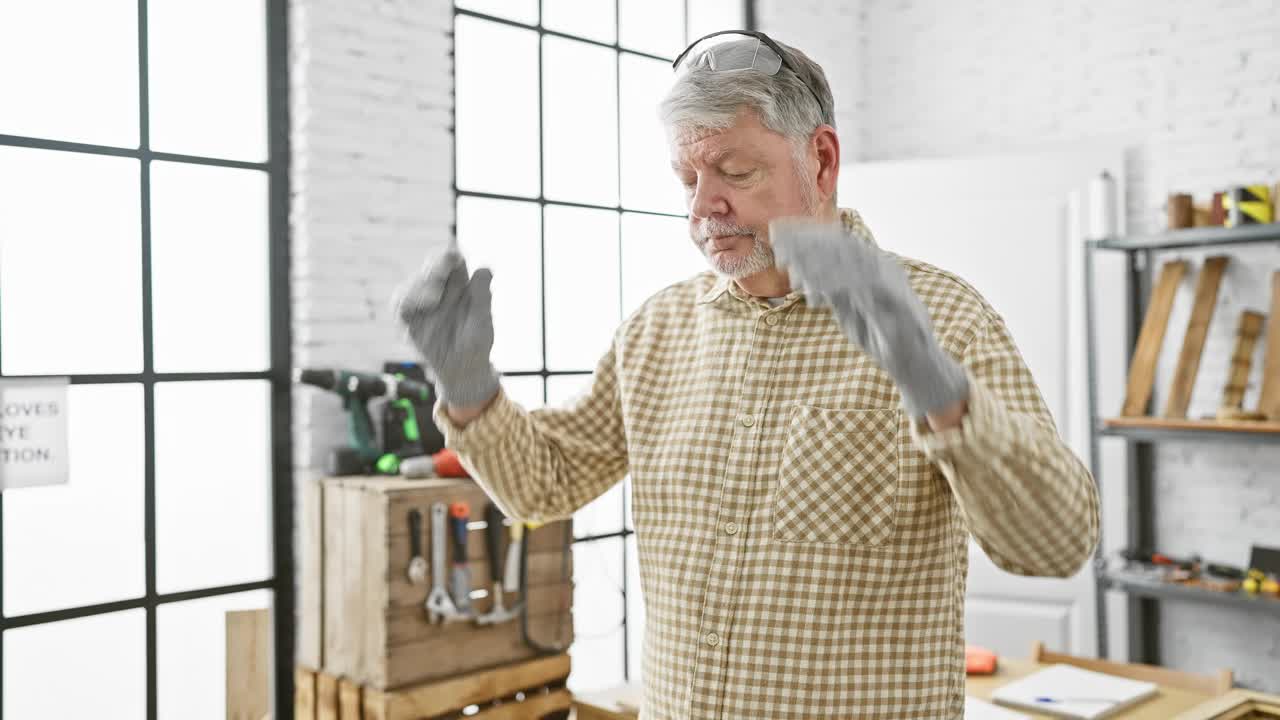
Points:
[[1066, 700]]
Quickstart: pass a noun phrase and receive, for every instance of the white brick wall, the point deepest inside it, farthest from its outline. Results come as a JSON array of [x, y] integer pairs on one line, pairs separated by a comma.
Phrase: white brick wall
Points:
[[371, 88], [372, 166], [828, 32], [1193, 87]]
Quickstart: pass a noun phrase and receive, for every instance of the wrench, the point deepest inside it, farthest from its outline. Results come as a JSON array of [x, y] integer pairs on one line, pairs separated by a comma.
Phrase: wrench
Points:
[[417, 564], [440, 607]]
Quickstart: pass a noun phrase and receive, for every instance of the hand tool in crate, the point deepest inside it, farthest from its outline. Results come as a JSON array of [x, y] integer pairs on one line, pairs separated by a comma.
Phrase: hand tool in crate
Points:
[[460, 581], [440, 607], [417, 564], [493, 533]]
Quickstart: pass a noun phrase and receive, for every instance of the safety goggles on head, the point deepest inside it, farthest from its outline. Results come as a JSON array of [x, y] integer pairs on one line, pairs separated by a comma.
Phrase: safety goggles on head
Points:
[[764, 56]]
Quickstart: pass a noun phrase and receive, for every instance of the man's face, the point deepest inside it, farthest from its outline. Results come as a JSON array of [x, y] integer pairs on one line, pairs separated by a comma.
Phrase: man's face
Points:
[[736, 181]]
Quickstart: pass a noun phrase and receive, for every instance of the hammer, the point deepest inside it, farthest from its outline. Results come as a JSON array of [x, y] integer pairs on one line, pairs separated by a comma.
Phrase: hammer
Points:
[[493, 533]]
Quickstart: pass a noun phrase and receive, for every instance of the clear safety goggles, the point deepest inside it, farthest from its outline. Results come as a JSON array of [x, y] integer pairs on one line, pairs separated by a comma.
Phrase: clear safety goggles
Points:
[[729, 54]]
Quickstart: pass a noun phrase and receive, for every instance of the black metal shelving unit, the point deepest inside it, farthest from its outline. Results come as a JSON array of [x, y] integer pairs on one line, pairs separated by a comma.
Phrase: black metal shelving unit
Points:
[[1146, 593]]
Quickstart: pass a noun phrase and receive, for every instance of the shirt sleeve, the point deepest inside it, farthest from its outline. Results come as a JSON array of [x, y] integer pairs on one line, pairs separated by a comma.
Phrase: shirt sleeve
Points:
[[1027, 499], [544, 464]]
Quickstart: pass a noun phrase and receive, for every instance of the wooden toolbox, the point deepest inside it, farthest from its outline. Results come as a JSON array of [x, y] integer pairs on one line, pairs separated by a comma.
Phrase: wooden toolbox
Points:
[[376, 633], [528, 690]]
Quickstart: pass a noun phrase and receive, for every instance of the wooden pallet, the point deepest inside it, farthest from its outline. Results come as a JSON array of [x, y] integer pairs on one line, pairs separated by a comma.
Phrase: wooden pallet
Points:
[[533, 690]]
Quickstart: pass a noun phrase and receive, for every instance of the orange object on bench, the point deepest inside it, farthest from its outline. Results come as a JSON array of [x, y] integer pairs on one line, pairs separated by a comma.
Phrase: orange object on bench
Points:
[[979, 661]]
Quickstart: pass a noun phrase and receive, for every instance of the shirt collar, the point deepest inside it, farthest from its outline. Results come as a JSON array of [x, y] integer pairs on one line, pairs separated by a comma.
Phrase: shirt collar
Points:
[[851, 220]]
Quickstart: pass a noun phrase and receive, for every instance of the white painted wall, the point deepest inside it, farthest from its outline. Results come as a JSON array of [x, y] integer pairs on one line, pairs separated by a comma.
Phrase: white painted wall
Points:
[[1192, 87]]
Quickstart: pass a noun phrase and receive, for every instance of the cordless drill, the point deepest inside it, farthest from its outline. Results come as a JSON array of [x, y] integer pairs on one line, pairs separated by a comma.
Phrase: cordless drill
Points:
[[365, 456]]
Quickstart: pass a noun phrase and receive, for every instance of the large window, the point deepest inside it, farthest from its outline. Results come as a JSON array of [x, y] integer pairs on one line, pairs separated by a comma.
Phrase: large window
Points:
[[564, 189], [143, 254]]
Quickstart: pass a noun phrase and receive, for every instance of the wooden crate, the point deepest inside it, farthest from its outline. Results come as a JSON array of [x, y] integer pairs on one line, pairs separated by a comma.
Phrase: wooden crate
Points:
[[376, 631], [528, 690]]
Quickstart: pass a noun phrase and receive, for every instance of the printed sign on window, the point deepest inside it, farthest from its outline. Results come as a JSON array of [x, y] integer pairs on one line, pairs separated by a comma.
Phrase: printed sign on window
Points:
[[33, 432]]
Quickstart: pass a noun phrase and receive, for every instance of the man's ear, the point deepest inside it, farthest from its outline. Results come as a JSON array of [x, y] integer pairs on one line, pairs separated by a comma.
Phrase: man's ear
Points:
[[827, 145]]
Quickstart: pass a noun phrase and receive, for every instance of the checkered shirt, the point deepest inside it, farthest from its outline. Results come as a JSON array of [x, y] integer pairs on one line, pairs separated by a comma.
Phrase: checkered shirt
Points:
[[803, 544]]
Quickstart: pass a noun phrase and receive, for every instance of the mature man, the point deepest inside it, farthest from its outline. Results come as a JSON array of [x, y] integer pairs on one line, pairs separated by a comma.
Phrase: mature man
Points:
[[810, 441]]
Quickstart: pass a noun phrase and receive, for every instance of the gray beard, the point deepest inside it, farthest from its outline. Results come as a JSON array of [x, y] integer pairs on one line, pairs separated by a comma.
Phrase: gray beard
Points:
[[758, 260]]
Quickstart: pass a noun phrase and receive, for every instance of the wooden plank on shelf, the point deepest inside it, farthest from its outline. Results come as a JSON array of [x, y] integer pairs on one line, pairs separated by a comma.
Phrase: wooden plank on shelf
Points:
[[248, 664], [310, 553], [1246, 426], [350, 706], [1142, 369], [1269, 400], [1184, 378], [535, 706], [442, 656], [326, 696], [1241, 359], [304, 693], [437, 698]]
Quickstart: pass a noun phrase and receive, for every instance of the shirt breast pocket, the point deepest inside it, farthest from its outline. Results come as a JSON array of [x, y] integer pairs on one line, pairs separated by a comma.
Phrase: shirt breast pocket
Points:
[[838, 478]]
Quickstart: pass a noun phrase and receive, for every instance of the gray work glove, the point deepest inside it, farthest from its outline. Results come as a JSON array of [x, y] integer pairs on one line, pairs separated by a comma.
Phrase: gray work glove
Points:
[[871, 298], [447, 316]]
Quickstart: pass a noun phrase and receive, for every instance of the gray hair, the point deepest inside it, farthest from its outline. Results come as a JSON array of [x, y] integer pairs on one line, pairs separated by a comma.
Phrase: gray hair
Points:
[[704, 99]]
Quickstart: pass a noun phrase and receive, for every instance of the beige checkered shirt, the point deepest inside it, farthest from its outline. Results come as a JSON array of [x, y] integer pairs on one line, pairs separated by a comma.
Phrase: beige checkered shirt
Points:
[[802, 543]]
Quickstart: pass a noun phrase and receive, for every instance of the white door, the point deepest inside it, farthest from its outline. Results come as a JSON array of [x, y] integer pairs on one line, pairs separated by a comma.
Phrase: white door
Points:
[[1001, 223]]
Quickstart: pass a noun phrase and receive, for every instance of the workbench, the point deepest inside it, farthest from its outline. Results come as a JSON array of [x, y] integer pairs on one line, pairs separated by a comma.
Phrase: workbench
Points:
[[1166, 704]]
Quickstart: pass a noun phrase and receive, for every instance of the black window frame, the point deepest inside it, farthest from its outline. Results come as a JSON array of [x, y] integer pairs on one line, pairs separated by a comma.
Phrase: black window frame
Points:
[[749, 20], [278, 375]]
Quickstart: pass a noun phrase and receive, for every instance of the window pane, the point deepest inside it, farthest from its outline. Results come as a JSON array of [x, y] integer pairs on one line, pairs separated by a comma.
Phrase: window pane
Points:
[[526, 390], [589, 18], [90, 528], [648, 182], [580, 122], [652, 26], [635, 613], [207, 65], [656, 252], [582, 285], [213, 472], [92, 667], [191, 655], [563, 388], [70, 70], [600, 516], [209, 269], [496, 79], [70, 263], [503, 235], [597, 615], [525, 11], [708, 16]]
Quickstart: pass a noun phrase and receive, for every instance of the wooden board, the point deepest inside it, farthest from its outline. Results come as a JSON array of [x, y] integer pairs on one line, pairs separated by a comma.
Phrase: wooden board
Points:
[[304, 694], [309, 644], [1184, 378], [326, 696], [350, 706], [248, 664], [438, 698], [1142, 368], [1248, 426], [1269, 400], [1247, 332], [536, 706], [445, 655]]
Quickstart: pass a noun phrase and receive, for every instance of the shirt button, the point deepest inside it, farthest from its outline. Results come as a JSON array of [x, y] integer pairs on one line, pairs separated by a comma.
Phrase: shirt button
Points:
[[712, 639], [772, 320], [731, 528], [748, 420]]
